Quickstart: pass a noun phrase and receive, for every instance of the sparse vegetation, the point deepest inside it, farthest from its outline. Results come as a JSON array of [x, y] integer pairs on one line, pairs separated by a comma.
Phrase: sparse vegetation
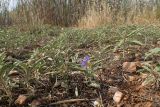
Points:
[[81, 53], [56, 54]]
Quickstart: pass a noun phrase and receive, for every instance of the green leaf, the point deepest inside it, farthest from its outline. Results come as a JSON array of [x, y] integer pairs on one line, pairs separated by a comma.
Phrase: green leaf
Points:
[[38, 63], [152, 52], [150, 79], [155, 50], [137, 30], [136, 42], [118, 45], [157, 68], [147, 68]]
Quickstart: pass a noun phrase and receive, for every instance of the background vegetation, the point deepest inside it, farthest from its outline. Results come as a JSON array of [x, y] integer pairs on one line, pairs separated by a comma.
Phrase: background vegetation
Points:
[[80, 13]]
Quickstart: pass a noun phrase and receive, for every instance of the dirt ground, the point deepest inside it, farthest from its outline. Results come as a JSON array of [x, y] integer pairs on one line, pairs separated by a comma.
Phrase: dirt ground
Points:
[[72, 90]]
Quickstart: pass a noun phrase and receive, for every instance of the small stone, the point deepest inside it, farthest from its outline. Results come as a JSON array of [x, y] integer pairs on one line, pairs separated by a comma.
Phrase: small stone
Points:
[[96, 103], [50, 59], [21, 100], [130, 67], [13, 73], [117, 96]]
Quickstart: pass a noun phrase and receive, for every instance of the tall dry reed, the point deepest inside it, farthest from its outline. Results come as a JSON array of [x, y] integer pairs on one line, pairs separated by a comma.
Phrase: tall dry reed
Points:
[[81, 13]]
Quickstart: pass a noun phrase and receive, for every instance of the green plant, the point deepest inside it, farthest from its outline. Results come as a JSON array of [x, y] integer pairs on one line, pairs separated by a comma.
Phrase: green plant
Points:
[[32, 68], [4, 69], [154, 70], [152, 52], [154, 74], [125, 40]]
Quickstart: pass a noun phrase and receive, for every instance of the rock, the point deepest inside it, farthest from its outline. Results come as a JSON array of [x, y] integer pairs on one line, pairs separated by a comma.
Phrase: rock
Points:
[[50, 59], [130, 66], [14, 76], [13, 73], [97, 103], [21, 100], [117, 96]]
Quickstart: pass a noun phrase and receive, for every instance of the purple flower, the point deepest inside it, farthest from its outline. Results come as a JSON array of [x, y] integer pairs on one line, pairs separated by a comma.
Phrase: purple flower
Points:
[[85, 61]]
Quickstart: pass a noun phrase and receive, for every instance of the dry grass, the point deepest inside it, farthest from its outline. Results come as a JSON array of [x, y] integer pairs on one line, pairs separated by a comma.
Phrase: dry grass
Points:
[[94, 19], [86, 14]]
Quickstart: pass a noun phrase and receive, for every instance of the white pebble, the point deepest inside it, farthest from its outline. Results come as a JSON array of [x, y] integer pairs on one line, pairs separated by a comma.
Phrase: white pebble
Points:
[[117, 96]]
